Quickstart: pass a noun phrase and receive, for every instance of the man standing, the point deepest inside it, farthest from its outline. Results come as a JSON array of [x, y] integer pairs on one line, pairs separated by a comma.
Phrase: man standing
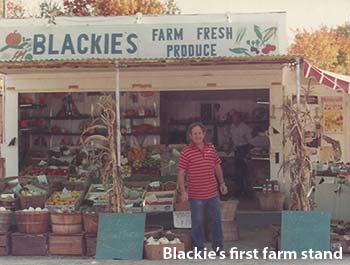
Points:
[[241, 136], [201, 163]]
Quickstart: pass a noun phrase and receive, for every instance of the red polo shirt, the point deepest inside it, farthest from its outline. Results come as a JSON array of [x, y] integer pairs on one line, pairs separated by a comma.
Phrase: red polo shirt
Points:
[[200, 167]]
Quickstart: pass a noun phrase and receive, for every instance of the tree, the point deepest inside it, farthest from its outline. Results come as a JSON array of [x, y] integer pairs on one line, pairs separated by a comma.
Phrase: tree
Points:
[[1, 7], [171, 8], [14, 9], [112, 7], [326, 48]]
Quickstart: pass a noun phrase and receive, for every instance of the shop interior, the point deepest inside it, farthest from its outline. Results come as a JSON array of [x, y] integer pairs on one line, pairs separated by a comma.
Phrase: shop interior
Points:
[[52, 122]]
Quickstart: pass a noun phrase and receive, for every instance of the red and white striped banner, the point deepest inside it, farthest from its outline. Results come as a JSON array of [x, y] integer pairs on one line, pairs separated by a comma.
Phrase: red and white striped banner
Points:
[[332, 80]]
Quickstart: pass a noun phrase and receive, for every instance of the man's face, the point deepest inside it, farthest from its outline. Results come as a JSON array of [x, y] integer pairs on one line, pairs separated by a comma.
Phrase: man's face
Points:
[[197, 135]]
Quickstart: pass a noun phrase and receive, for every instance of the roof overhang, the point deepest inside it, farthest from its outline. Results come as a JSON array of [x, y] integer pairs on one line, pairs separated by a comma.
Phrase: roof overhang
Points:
[[110, 65]]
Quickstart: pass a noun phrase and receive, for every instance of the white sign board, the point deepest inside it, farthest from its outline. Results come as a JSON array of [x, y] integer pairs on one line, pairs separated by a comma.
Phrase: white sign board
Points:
[[201, 36]]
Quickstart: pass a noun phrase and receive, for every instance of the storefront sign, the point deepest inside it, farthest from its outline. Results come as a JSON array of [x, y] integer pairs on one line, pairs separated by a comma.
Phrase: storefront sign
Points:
[[333, 114], [122, 37]]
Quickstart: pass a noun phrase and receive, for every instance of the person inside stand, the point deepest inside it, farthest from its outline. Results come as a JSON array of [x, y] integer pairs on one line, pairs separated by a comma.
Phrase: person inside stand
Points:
[[200, 161], [241, 135]]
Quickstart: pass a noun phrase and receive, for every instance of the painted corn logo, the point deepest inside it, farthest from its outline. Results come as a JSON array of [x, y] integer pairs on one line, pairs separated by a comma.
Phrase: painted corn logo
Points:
[[261, 44], [17, 48]]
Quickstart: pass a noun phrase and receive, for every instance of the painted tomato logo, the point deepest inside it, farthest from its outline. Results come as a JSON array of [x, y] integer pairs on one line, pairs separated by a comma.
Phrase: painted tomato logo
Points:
[[13, 39]]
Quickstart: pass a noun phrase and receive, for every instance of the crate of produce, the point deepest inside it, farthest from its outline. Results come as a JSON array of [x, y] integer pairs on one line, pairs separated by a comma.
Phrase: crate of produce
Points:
[[162, 201], [134, 193], [9, 203], [29, 245], [185, 236], [32, 196], [67, 244], [91, 242], [77, 183], [4, 244], [155, 252], [98, 194], [64, 200]]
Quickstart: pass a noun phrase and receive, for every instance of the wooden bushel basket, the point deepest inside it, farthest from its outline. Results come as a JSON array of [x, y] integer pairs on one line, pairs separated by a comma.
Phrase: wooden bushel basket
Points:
[[5, 221], [66, 223], [33, 222]]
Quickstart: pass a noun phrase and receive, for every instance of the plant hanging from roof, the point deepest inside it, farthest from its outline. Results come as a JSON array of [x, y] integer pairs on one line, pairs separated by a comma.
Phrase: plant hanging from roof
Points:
[[106, 151]]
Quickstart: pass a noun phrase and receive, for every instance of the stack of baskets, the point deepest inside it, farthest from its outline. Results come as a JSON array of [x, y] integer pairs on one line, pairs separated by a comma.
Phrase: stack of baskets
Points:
[[228, 220]]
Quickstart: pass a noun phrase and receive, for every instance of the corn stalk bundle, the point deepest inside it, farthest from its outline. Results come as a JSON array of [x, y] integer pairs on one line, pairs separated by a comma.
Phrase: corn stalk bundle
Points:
[[299, 162], [106, 151]]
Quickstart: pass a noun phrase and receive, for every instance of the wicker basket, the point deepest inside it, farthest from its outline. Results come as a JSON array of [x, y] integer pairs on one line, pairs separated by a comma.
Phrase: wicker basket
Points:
[[32, 201], [271, 201], [33, 222], [228, 210]]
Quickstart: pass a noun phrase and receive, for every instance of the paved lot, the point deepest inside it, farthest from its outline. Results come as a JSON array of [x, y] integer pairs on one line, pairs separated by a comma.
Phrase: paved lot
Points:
[[79, 261]]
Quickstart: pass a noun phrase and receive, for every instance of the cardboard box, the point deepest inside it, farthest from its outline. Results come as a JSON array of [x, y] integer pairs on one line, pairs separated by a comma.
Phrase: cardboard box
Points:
[[182, 219], [155, 252]]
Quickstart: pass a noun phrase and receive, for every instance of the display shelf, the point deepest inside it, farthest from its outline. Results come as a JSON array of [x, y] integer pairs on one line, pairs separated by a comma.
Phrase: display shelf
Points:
[[58, 133], [138, 117], [139, 134], [81, 117]]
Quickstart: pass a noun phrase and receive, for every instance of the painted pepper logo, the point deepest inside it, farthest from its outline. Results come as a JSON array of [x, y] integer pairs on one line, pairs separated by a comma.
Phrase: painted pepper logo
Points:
[[17, 48]]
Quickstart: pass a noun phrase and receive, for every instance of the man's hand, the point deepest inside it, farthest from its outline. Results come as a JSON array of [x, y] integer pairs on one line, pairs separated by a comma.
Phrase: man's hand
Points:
[[223, 189], [183, 196]]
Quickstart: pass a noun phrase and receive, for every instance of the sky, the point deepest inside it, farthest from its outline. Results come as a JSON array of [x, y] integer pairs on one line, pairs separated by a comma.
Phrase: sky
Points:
[[307, 14]]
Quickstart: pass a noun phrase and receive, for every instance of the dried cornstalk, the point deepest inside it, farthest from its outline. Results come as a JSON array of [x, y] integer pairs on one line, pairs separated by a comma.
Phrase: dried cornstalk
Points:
[[107, 151], [299, 163]]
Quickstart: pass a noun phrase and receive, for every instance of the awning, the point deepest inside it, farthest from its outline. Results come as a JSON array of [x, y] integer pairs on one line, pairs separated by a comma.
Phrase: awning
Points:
[[332, 80]]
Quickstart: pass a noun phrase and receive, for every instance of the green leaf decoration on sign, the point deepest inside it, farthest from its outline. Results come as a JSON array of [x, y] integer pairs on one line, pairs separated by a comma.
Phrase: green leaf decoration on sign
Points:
[[258, 32], [240, 51], [269, 33], [240, 35]]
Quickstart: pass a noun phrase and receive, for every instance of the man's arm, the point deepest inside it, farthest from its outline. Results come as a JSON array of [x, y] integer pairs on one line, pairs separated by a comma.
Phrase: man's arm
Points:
[[220, 178], [219, 175], [181, 185], [181, 180]]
